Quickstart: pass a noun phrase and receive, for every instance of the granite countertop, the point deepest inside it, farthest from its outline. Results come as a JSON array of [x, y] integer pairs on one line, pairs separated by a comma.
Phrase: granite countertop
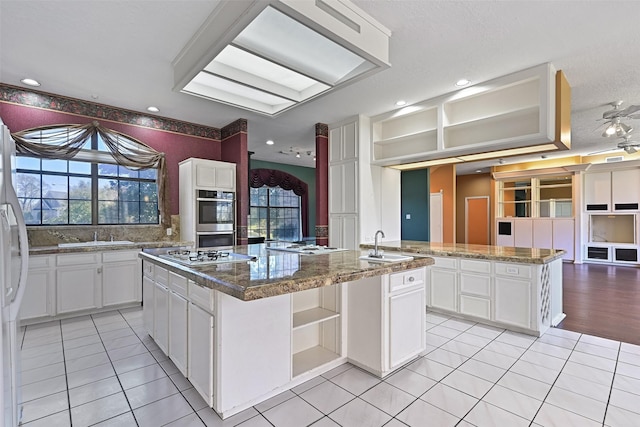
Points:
[[461, 250], [277, 273], [48, 250]]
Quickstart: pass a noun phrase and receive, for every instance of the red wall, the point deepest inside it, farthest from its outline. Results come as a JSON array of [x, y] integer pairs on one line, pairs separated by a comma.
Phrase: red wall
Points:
[[177, 147]]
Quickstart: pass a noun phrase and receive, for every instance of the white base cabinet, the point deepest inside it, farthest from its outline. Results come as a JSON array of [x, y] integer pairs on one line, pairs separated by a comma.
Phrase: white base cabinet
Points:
[[386, 317], [521, 297], [61, 285], [201, 354]]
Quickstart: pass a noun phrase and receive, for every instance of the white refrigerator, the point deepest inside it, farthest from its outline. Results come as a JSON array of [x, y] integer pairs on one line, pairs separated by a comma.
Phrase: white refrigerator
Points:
[[14, 255]]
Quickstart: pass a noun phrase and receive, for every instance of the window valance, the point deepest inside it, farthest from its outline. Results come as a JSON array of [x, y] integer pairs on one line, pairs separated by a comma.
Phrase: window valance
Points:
[[66, 141], [277, 178]]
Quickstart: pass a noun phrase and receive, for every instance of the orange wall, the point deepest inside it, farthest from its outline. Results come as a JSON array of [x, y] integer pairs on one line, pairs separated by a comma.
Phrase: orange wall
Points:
[[471, 186], [444, 178]]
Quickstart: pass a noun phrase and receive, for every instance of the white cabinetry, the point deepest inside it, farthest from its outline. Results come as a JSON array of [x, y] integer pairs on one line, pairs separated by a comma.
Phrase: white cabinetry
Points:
[[442, 289], [512, 111], [316, 328], [610, 191], [69, 283], [161, 309], [178, 307], [201, 352], [524, 297], [343, 186], [38, 299], [386, 320], [513, 294], [148, 296], [77, 282], [120, 277], [207, 174]]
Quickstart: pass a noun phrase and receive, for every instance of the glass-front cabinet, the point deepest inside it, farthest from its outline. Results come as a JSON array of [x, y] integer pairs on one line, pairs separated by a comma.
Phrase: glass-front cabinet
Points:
[[543, 197]]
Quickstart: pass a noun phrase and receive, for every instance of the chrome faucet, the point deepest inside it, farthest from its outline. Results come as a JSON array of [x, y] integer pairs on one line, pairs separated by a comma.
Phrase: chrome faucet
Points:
[[95, 236], [111, 236], [376, 254]]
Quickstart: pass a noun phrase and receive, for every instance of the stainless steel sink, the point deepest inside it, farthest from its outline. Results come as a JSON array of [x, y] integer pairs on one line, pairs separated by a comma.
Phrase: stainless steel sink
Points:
[[387, 257], [95, 243]]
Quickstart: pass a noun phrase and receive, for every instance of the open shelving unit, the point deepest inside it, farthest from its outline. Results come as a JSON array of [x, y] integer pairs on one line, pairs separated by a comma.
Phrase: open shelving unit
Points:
[[316, 328], [514, 111]]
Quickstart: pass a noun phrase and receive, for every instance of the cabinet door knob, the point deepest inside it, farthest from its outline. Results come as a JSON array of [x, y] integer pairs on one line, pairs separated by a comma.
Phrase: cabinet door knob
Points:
[[411, 278]]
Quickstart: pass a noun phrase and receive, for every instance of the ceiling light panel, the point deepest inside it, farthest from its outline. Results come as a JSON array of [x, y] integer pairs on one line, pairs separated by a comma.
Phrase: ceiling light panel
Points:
[[292, 51]]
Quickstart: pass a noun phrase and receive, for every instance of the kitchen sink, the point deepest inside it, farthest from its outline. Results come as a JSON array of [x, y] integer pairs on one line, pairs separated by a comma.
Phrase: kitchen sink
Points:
[[95, 243], [387, 258]]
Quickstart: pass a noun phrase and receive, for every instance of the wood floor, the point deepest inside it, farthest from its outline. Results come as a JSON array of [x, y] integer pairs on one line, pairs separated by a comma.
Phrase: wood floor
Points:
[[602, 300]]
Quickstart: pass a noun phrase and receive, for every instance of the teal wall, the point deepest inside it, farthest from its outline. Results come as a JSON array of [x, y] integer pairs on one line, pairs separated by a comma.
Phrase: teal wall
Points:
[[307, 175], [415, 201]]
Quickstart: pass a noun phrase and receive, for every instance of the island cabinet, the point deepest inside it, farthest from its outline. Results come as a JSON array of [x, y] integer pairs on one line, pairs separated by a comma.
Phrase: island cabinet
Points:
[[60, 285], [386, 318], [517, 296]]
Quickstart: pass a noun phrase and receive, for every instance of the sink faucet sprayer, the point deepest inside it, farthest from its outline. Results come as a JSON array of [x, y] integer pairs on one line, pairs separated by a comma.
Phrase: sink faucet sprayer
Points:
[[376, 254]]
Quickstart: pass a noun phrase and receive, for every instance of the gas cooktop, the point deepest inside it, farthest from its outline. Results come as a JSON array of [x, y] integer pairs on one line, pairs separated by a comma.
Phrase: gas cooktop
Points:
[[201, 257]]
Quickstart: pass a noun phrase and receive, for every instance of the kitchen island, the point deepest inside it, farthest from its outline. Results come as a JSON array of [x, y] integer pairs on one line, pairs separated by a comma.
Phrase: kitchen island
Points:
[[244, 331], [515, 288]]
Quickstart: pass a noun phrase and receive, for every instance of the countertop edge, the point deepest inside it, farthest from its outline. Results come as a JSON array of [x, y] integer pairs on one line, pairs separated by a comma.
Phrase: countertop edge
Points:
[[424, 249], [50, 250], [284, 286]]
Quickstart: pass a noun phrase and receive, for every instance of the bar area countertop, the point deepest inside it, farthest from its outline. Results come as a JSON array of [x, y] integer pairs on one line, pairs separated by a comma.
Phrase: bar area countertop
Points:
[[461, 250], [274, 273]]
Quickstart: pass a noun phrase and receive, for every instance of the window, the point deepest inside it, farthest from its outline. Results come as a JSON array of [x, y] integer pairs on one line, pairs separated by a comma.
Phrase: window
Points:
[[92, 190], [275, 213]]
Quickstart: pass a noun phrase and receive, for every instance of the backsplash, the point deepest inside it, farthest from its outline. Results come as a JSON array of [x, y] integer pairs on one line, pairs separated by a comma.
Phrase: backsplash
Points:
[[51, 236]]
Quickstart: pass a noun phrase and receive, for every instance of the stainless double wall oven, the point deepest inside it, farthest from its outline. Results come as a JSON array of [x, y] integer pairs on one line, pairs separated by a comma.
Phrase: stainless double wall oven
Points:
[[215, 218]]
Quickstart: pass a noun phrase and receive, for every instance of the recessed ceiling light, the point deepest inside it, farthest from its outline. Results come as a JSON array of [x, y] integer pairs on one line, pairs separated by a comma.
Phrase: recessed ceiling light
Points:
[[30, 82], [478, 170], [298, 155], [153, 109], [462, 82], [270, 142], [401, 103]]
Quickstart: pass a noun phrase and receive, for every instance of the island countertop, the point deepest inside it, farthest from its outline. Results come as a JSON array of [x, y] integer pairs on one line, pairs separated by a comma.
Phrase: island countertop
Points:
[[462, 250], [275, 273]]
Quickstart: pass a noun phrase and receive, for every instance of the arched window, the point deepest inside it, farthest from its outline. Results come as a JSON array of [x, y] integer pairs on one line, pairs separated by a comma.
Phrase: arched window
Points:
[[87, 175], [278, 205]]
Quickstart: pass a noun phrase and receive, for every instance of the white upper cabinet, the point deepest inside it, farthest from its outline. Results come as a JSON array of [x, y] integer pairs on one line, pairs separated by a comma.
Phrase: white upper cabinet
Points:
[[625, 189], [207, 174], [612, 190], [506, 113]]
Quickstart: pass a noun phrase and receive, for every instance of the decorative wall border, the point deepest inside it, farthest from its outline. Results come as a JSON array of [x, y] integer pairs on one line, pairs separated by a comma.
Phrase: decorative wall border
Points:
[[28, 97], [322, 231], [231, 129], [322, 130]]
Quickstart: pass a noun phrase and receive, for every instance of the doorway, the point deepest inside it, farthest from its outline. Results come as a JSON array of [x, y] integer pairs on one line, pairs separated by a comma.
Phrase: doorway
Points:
[[476, 220]]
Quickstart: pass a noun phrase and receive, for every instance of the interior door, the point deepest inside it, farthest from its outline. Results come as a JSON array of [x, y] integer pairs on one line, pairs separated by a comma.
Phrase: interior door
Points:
[[476, 220], [435, 218]]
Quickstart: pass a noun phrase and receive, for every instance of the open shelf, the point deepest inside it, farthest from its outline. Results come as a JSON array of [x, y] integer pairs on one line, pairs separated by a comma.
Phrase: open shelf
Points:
[[503, 100], [405, 125], [311, 358], [421, 142], [511, 125], [312, 316], [619, 228]]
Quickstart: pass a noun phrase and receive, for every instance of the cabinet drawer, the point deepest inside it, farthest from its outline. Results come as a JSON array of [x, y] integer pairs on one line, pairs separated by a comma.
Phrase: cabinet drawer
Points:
[[445, 262], [40, 262], [406, 278], [178, 284], [77, 259], [475, 284], [161, 275], [116, 256], [201, 296], [475, 306], [513, 270], [147, 269], [475, 266]]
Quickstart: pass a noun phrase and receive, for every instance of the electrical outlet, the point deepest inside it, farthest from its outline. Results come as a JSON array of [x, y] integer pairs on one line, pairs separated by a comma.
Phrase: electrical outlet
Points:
[[407, 216], [169, 231]]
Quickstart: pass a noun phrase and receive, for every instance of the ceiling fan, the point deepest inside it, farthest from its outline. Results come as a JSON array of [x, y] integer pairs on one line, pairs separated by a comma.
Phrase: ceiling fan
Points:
[[628, 145], [613, 123]]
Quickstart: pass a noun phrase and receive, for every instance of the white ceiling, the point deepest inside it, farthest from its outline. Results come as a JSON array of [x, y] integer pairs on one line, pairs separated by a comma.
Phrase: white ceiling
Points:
[[121, 52]]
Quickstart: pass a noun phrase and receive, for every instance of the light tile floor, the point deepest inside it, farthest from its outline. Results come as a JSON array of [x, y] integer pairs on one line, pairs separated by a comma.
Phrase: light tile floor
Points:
[[105, 370]]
